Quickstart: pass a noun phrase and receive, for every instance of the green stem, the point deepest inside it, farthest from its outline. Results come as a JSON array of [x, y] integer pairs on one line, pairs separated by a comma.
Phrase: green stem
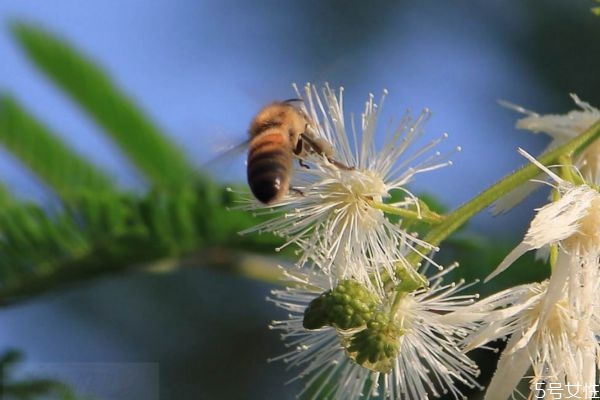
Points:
[[397, 297], [455, 219], [566, 169], [427, 216]]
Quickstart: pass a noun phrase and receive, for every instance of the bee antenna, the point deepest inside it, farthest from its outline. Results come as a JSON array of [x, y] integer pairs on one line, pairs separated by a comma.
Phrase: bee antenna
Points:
[[294, 100]]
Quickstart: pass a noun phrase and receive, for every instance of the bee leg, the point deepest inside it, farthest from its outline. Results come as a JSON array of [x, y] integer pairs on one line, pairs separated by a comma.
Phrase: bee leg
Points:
[[340, 165], [318, 148], [297, 191], [303, 164], [299, 148], [298, 151]]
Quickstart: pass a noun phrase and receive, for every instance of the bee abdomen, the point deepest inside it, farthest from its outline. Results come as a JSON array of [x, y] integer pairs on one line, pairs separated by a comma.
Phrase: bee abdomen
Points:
[[269, 167]]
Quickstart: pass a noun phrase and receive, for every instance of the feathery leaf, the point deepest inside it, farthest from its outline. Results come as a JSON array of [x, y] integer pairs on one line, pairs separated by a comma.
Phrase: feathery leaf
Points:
[[97, 228], [159, 160], [44, 153]]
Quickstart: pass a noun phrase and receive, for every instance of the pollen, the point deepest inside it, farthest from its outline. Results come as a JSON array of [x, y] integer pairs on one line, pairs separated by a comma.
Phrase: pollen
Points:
[[357, 187], [363, 183]]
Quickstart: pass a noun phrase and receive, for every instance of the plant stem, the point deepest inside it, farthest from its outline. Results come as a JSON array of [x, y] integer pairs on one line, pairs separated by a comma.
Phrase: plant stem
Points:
[[458, 217], [427, 216]]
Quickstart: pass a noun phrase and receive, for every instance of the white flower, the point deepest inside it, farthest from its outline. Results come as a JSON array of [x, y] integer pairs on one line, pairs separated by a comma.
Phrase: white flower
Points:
[[554, 324], [334, 217], [550, 336], [572, 222], [427, 360], [561, 128]]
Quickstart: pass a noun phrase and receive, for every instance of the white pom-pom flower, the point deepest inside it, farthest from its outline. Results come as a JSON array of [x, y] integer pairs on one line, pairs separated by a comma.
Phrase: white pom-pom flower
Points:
[[331, 212], [418, 334]]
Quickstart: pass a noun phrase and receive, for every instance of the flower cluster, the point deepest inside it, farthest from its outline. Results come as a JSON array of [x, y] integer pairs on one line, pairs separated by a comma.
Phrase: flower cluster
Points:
[[553, 325], [338, 217], [402, 350], [364, 318]]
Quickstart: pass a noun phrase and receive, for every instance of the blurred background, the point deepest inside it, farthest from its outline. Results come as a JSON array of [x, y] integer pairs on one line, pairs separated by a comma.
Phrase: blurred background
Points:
[[200, 70]]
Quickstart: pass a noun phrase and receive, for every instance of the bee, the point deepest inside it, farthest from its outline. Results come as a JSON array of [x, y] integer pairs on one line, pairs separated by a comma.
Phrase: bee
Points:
[[279, 133]]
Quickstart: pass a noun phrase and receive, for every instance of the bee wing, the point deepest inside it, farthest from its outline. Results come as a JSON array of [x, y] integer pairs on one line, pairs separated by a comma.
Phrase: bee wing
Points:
[[226, 164], [231, 150]]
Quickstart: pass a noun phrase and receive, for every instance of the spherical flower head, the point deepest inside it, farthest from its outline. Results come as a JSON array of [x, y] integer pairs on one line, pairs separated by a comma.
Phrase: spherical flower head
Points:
[[406, 349], [331, 212]]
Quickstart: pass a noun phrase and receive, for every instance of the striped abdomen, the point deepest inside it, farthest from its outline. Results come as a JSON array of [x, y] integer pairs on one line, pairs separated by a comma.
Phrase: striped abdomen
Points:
[[269, 165]]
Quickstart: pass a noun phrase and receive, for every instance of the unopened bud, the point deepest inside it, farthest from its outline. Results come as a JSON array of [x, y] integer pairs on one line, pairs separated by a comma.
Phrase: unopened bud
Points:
[[377, 346], [348, 305]]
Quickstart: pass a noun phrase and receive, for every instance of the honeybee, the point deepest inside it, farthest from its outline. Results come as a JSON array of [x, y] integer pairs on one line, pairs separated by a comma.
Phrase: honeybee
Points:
[[278, 133]]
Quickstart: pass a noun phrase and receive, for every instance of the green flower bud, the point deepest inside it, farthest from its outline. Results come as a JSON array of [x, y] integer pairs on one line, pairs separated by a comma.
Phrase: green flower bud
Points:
[[348, 305], [377, 346]]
